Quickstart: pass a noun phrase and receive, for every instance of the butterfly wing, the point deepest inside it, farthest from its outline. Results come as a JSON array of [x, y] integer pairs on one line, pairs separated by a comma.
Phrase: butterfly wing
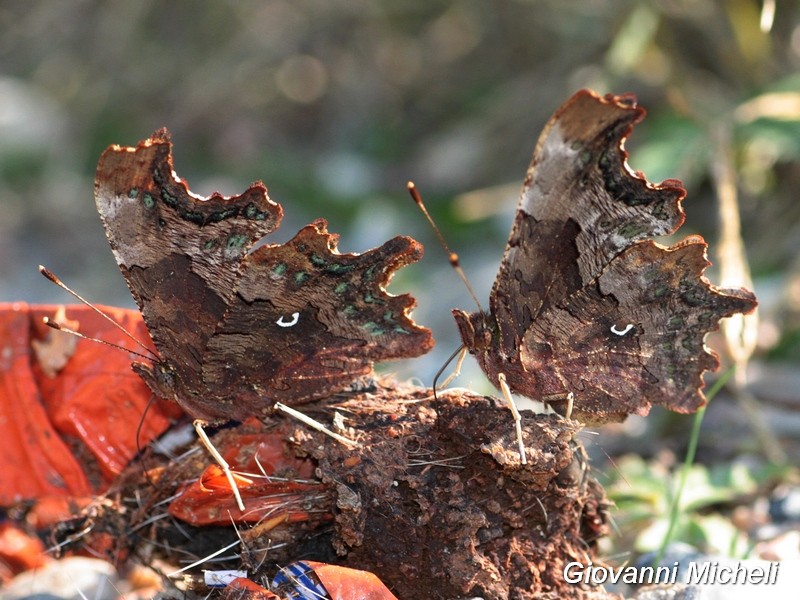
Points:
[[307, 321], [583, 302], [635, 336], [238, 330], [580, 206], [179, 253]]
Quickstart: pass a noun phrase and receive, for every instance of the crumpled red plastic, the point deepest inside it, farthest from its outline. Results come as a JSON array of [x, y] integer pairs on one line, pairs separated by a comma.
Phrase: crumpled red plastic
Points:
[[210, 501], [343, 583], [93, 405]]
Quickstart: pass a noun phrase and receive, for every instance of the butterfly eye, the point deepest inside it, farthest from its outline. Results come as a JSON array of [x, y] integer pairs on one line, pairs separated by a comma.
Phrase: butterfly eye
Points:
[[620, 332], [291, 322]]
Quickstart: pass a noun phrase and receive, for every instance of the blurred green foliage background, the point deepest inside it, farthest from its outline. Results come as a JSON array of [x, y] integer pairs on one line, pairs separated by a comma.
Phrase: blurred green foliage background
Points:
[[336, 104]]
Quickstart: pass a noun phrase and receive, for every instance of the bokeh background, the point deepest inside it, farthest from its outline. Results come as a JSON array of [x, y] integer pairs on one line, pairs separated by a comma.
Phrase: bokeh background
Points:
[[336, 104]]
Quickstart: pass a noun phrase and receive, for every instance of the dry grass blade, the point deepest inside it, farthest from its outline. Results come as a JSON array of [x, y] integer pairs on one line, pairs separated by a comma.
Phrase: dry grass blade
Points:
[[740, 330]]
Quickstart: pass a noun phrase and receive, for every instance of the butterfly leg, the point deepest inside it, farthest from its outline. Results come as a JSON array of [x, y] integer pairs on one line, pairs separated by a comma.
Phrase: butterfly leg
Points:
[[462, 354], [226, 468], [517, 417], [570, 403]]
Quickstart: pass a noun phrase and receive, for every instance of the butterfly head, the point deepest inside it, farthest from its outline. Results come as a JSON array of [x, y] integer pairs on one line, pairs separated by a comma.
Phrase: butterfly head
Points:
[[476, 331], [160, 377]]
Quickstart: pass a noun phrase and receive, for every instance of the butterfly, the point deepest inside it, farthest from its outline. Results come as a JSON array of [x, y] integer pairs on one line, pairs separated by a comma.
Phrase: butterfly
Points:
[[237, 329], [586, 308]]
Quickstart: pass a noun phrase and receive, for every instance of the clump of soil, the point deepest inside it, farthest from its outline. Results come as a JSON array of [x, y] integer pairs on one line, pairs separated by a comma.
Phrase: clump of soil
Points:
[[436, 500]]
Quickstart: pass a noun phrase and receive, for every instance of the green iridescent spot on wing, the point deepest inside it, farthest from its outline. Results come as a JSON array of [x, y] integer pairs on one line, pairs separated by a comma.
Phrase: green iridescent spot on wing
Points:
[[252, 212], [235, 241], [675, 322], [338, 269], [373, 328], [632, 230], [369, 273]]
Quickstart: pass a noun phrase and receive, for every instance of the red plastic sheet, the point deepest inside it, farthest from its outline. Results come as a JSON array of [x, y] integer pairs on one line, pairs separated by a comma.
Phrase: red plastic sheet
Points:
[[92, 406]]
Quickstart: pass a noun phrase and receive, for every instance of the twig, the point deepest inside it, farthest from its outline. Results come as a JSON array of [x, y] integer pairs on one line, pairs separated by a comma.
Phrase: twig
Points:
[[316, 425]]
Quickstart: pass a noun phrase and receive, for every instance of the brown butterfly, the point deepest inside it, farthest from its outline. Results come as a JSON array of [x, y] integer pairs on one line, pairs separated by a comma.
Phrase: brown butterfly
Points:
[[238, 329], [585, 306]]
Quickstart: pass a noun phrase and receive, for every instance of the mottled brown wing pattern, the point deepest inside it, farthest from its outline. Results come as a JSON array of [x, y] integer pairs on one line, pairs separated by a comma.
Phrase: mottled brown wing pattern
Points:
[[325, 318], [634, 337], [584, 302], [179, 254], [238, 330], [580, 206]]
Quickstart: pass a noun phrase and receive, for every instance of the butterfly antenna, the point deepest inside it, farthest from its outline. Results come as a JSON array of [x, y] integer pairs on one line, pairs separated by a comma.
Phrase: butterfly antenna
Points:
[[58, 327], [142, 458], [454, 261], [52, 277]]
